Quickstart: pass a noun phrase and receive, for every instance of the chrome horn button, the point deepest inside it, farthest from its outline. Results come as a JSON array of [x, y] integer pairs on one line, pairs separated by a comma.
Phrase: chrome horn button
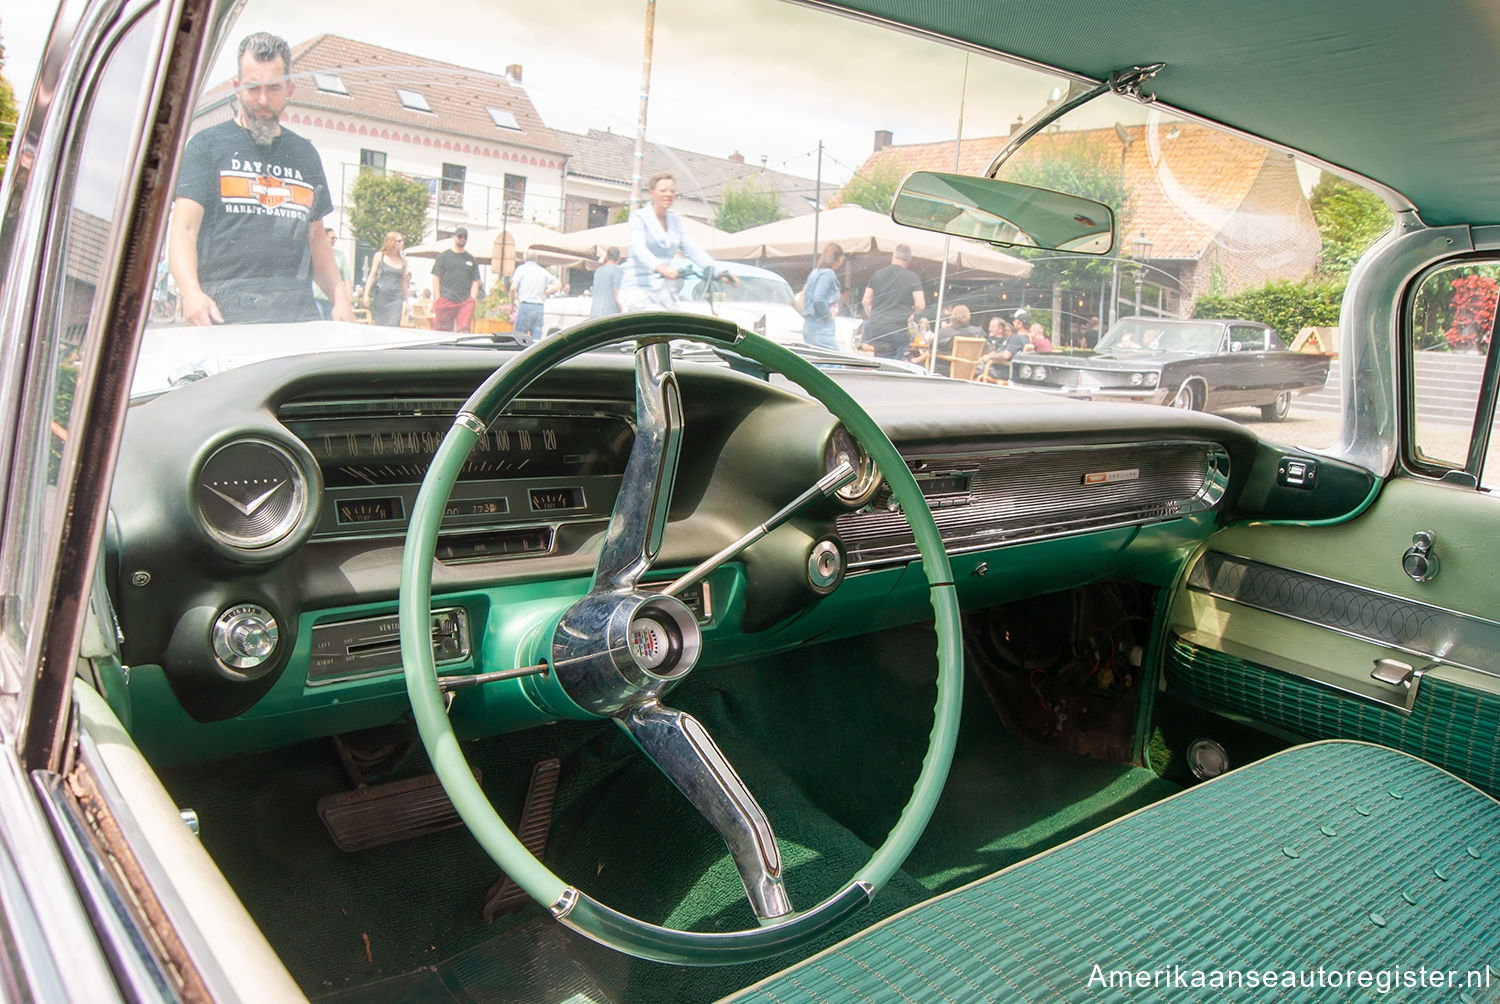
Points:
[[616, 650]]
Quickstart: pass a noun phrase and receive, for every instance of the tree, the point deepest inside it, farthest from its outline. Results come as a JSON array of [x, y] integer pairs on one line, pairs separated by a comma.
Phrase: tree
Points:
[[746, 205], [876, 191], [1070, 163], [8, 112], [1350, 219], [381, 201]]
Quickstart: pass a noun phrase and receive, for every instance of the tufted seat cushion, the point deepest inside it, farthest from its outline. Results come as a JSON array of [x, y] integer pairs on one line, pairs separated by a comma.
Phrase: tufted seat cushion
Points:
[[1311, 874]]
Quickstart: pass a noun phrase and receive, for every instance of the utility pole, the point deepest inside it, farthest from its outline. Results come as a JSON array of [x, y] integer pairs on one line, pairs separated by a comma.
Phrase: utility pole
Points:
[[817, 203], [636, 176]]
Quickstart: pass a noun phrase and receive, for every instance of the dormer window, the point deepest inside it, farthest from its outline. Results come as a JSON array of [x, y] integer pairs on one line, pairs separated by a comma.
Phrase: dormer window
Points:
[[330, 83], [504, 119], [413, 100]]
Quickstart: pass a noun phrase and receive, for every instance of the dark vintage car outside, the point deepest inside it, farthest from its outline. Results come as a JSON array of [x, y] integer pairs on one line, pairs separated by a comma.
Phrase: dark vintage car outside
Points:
[[1200, 365]]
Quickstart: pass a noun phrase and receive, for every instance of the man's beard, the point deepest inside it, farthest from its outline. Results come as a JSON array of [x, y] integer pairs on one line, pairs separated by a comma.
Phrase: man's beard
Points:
[[263, 131]]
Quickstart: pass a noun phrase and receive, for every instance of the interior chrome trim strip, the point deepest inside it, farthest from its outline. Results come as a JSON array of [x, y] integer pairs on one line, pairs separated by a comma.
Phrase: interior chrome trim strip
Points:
[[1419, 629], [1024, 496]]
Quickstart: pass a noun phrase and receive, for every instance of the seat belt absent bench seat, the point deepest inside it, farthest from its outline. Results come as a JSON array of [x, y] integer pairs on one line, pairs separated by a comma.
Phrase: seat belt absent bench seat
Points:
[[1327, 868]]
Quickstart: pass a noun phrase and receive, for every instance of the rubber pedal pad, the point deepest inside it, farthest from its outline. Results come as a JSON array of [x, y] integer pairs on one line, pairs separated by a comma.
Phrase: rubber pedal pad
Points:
[[536, 823], [384, 813]]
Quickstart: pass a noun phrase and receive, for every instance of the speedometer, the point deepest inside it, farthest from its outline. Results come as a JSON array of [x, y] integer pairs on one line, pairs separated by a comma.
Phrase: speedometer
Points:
[[843, 446]]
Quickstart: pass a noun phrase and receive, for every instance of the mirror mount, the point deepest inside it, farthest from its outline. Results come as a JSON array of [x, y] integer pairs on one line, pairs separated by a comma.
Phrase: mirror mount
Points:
[[1127, 82]]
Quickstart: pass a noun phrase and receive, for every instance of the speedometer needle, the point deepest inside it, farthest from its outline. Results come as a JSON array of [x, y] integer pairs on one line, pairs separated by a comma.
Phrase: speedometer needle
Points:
[[248, 507]]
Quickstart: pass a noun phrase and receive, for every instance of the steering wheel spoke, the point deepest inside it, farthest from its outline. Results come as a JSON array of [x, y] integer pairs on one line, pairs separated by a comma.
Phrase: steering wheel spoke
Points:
[[684, 751], [640, 516]]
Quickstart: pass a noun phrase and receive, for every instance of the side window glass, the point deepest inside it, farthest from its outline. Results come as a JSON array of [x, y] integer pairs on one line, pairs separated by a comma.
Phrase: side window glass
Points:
[[1453, 315], [1245, 339], [81, 227]]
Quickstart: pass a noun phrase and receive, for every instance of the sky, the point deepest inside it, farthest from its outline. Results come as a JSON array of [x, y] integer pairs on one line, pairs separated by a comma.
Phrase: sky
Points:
[[791, 78]]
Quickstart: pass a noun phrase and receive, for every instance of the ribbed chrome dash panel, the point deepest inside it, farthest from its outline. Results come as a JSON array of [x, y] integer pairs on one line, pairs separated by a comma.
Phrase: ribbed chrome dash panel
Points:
[[990, 499]]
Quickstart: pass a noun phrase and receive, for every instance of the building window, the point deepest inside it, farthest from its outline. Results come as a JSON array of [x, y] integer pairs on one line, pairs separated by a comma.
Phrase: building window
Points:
[[372, 159], [413, 100], [598, 215], [504, 119], [451, 189], [515, 194], [330, 83]]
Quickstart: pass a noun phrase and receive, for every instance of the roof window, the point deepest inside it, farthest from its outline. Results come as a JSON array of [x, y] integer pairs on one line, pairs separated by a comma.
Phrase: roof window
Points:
[[503, 119], [329, 83], [413, 100]]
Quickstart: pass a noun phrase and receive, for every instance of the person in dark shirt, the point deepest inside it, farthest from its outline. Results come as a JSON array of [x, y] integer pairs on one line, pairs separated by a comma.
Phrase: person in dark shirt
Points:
[[893, 295], [455, 285], [247, 238]]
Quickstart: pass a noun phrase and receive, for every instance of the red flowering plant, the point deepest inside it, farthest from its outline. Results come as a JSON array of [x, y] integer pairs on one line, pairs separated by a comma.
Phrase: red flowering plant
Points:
[[1473, 307]]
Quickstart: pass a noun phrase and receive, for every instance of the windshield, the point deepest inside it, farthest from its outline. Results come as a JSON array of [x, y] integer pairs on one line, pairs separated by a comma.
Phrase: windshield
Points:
[[750, 287], [1162, 336], [504, 179]]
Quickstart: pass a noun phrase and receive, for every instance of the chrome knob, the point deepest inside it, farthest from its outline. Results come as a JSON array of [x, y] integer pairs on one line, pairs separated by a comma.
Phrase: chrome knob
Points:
[[1420, 561], [245, 637]]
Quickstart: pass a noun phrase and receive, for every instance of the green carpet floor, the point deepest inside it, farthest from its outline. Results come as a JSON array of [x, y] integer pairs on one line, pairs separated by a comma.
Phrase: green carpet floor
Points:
[[828, 738]]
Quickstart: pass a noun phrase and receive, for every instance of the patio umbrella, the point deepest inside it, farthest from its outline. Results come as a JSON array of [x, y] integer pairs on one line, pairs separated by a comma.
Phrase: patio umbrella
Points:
[[592, 243], [868, 238]]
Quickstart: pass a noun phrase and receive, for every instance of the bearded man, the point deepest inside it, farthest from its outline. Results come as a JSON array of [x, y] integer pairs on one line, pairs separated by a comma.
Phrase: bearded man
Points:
[[247, 238]]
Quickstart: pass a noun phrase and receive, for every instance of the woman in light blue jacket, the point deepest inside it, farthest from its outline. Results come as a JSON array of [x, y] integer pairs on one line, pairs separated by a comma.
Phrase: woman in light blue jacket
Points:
[[657, 239], [820, 298]]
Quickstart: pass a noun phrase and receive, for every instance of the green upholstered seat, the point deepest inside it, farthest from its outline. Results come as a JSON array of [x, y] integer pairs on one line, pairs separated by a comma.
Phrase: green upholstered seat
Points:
[[1315, 865]]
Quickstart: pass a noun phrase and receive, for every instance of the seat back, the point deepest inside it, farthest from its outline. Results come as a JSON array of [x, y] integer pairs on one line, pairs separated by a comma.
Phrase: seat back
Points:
[[964, 360]]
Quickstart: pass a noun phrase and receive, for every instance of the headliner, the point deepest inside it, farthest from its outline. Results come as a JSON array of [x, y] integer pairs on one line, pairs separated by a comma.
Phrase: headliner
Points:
[[1392, 90]]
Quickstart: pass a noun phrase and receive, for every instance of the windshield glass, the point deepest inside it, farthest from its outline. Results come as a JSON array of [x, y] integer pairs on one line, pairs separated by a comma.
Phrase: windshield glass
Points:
[[396, 184], [1162, 336]]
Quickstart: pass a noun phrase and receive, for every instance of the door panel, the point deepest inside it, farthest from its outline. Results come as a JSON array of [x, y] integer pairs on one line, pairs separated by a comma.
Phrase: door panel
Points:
[[1283, 626]]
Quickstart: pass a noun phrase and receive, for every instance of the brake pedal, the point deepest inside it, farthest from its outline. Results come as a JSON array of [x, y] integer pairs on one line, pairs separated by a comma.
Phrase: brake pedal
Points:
[[384, 813], [536, 822]]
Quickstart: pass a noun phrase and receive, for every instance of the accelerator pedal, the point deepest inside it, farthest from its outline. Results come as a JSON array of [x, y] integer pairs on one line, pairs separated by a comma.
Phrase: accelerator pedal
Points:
[[536, 822], [379, 814]]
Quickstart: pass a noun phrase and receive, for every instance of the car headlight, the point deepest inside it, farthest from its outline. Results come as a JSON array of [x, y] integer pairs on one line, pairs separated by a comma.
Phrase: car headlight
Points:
[[1039, 372], [1136, 378], [1025, 373], [1152, 378]]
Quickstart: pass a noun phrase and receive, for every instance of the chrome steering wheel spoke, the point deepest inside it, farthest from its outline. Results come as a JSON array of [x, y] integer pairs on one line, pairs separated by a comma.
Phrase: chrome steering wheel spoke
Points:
[[640, 517], [684, 751]]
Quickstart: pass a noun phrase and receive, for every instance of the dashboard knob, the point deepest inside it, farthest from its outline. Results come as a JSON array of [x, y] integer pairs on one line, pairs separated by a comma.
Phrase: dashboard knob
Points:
[[825, 566], [245, 637]]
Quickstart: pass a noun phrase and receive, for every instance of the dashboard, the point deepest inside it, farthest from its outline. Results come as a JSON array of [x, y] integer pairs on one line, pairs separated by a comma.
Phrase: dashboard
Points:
[[258, 518]]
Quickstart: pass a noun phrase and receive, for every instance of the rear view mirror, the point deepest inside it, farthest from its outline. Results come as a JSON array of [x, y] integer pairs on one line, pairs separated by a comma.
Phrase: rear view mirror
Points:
[[1003, 212]]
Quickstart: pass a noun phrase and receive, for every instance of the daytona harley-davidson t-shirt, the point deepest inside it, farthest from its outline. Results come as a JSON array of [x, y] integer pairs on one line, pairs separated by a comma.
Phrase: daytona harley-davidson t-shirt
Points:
[[253, 255]]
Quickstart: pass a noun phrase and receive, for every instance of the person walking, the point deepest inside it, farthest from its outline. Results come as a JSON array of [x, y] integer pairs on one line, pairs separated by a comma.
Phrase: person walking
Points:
[[455, 285], [606, 294], [530, 285], [820, 298], [892, 297], [389, 282]]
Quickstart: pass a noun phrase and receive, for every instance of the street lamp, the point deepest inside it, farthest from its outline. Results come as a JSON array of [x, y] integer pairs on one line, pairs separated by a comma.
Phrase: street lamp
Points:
[[1126, 142], [1140, 250]]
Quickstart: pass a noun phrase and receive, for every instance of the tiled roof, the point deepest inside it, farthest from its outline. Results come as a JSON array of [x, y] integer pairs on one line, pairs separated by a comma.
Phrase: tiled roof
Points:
[[460, 97], [1187, 182], [609, 156]]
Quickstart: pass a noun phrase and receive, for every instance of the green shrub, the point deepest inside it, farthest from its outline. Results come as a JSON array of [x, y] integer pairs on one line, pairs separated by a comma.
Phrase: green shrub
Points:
[[1284, 305]]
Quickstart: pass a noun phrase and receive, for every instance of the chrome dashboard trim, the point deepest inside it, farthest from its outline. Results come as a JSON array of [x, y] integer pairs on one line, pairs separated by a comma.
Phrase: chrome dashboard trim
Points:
[[1418, 629], [1023, 496]]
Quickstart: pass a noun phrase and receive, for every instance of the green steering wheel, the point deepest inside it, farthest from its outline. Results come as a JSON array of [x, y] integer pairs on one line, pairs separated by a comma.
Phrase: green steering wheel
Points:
[[617, 651]]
